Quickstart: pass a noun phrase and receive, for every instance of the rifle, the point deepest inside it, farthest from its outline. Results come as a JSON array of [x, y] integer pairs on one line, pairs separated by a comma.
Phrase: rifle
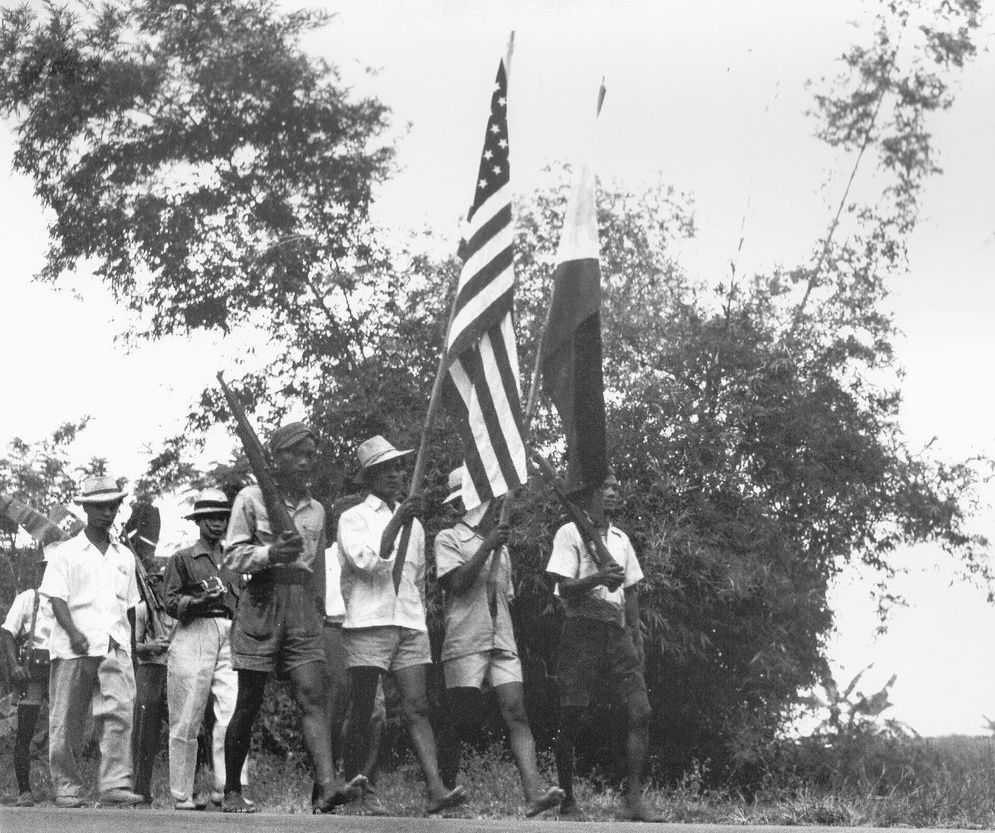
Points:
[[584, 524], [276, 509]]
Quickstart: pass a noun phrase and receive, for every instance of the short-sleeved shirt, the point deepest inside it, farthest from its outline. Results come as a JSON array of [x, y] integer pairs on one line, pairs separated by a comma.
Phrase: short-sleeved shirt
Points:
[[18, 620], [250, 534], [367, 579], [572, 559], [98, 588], [184, 574], [469, 626]]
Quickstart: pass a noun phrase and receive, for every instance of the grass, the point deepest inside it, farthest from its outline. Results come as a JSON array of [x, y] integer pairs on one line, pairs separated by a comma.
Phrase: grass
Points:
[[946, 782]]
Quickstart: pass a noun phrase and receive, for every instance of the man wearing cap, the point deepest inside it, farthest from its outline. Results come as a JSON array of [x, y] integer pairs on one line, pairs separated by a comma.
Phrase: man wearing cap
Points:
[[90, 583], [601, 641], [27, 627], [279, 619], [201, 594], [479, 646], [384, 628]]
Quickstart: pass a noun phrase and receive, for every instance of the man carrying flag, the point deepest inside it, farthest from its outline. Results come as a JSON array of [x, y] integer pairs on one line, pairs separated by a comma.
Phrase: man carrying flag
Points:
[[596, 576]]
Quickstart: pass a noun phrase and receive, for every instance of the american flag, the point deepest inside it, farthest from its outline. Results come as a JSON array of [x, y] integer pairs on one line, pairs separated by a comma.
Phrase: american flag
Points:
[[481, 388]]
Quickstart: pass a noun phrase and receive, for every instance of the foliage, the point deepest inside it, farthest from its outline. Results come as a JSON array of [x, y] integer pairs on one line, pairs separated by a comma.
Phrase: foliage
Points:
[[752, 418], [41, 475], [210, 171]]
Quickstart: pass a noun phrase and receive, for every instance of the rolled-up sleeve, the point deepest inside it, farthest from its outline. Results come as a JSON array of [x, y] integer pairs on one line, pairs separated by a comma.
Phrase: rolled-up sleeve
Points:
[[243, 553], [448, 553], [359, 543], [565, 557]]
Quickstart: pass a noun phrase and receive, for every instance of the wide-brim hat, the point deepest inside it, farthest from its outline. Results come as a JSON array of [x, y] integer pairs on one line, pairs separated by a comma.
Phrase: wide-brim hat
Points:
[[98, 489], [208, 503], [375, 451], [455, 484]]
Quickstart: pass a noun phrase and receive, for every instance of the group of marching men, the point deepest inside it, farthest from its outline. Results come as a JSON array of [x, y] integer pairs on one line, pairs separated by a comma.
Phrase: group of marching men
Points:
[[244, 602]]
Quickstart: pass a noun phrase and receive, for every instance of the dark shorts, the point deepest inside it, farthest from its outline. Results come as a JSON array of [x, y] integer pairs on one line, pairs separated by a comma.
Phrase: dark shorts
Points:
[[593, 654], [277, 628]]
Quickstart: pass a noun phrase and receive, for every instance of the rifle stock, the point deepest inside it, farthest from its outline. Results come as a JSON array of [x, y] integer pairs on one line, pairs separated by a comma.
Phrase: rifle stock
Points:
[[578, 516], [279, 516]]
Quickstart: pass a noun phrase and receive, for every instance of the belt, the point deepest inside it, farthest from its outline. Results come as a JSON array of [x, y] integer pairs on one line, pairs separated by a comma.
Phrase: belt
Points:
[[332, 623], [282, 576], [215, 614]]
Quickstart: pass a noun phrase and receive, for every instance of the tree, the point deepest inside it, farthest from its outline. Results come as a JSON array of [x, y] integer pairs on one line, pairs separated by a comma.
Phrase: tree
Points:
[[41, 475], [211, 172]]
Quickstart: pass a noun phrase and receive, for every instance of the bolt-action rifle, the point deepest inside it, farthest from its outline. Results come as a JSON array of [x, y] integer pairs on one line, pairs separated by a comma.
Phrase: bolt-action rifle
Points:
[[276, 509]]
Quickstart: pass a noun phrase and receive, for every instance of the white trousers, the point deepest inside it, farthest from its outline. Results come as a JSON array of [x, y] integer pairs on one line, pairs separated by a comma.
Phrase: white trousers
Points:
[[198, 667]]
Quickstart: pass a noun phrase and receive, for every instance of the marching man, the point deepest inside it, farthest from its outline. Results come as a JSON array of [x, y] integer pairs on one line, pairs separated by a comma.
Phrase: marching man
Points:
[[601, 640], [384, 628], [478, 647], [278, 626]]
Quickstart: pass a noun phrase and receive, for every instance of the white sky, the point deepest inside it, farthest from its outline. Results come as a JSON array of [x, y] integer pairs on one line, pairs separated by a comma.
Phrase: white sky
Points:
[[707, 95]]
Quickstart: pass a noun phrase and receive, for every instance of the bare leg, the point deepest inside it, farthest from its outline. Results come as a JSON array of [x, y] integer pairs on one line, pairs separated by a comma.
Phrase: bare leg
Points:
[[309, 690], [511, 701], [637, 742], [411, 682], [570, 722]]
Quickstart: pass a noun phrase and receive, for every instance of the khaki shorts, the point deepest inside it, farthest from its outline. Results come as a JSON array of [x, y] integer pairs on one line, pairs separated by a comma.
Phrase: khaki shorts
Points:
[[389, 647], [595, 653], [277, 628], [470, 671]]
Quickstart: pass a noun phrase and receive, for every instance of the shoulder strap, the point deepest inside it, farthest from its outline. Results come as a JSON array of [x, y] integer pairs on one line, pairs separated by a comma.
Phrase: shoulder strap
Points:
[[34, 619]]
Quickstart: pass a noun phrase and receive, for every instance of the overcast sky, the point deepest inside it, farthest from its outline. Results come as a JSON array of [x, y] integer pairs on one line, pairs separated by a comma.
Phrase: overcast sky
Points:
[[709, 96]]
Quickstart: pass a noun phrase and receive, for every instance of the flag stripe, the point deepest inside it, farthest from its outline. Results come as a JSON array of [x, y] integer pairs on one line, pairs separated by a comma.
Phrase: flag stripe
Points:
[[486, 310], [492, 217], [492, 275]]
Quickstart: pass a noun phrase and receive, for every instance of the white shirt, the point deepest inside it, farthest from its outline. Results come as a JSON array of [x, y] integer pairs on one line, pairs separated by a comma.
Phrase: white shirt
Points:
[[334, 603], [572, 559], [367, 579], [98, 589], [18, 621]]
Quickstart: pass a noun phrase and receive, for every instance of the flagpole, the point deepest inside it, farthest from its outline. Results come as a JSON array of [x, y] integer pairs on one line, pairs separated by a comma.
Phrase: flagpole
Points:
[[418, 474], [435, 399]]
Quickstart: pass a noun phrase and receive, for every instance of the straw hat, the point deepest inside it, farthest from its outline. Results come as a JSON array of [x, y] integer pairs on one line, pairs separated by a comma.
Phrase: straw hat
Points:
[[208, 503], [377, 450], [98, 489]]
